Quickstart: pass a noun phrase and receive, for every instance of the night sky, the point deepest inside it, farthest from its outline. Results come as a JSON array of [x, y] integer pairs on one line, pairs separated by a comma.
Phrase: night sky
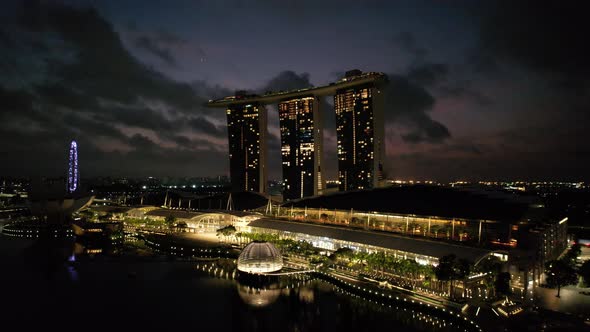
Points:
[[478, 90]]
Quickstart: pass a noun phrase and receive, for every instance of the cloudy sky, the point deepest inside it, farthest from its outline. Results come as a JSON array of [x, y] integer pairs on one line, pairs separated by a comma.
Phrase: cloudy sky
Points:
[[477, 90]]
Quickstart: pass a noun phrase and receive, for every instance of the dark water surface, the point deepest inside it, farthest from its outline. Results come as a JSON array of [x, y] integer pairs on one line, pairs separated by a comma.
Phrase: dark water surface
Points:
[[43, 285]]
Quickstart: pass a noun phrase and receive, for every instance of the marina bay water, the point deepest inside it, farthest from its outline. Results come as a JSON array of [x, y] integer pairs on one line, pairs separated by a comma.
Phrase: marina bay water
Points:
[[42, 282]]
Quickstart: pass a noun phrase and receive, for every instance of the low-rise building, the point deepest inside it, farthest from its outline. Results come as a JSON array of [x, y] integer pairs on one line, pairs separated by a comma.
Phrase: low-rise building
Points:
[[423, 251]]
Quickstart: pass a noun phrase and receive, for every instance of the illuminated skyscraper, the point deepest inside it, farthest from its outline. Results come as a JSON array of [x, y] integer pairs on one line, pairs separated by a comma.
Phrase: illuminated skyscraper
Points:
[[301, 147], [360, 135], [73, 176], [246, 125], [360, 130]]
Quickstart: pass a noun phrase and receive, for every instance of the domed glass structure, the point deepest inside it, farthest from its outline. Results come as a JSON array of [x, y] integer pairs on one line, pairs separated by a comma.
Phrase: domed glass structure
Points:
[[260, 257]]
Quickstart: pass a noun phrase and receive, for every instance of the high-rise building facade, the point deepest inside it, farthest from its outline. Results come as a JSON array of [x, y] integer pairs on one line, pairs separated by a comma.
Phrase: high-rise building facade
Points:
[[358, 104], [360, 134], [301, 147], [246, 125]]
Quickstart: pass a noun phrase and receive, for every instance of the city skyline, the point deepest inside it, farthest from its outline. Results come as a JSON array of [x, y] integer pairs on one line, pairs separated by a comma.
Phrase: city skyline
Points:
[[295, 165], [468, 98]]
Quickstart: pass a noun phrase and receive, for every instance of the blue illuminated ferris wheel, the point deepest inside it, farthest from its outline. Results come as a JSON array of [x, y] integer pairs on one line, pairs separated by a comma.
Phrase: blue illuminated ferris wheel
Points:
[[73, 175]]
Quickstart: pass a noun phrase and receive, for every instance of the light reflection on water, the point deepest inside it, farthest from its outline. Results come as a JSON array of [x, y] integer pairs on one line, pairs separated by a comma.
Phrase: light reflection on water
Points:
[[257, 297], [183, 293]]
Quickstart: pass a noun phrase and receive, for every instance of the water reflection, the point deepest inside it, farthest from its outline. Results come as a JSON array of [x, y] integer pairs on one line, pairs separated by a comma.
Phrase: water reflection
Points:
[[267, 291], [310, 297], [212, 288], [257, 297], [73, 273]]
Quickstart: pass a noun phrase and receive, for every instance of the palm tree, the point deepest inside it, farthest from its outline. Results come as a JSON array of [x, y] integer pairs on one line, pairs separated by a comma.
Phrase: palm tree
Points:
[[445, 271], [559, 274], [502, 283], [226, 231], [463, 269], [377, 261], [584, 272], [413, 227], [344, 253], [170, 220], [492, 266], [435, 229]]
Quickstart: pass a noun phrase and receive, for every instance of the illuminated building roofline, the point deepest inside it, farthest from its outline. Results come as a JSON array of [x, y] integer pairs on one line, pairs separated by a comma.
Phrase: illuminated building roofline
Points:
[[326, 90]]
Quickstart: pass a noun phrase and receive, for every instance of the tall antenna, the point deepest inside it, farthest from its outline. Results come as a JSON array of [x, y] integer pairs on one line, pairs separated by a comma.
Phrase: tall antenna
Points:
[[73, 174]]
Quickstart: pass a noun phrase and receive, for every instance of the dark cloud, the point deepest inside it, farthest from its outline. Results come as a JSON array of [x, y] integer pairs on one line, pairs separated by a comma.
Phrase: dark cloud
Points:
[[141, 117], [548, 37], [437, 78], [61, 95], [407, 42], [468, 148], [464, 90], [19, 110], [102, 66], [201, 124], [141, 142], [97, 91], [287, 80], [428, 74], [14, 100], [404, 98], [336, 75], [182, 140], [407, 105], [427, 130], [515, 154], [482, 63], [93, 90], [169, 38], [66, 75], [409, 98], [151, 46], [5, 38], [211, 91], [82, 125]]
